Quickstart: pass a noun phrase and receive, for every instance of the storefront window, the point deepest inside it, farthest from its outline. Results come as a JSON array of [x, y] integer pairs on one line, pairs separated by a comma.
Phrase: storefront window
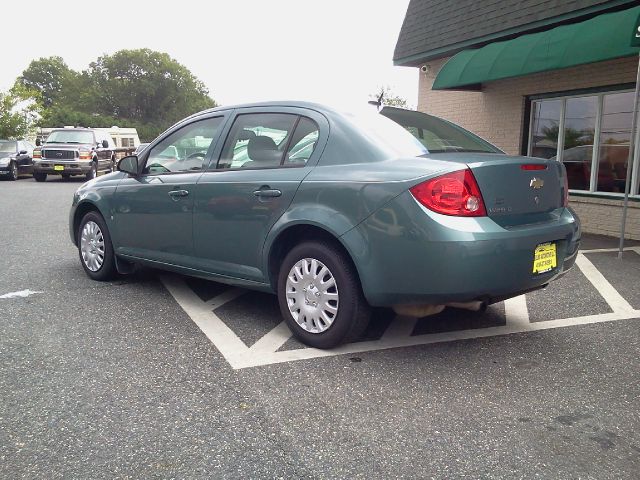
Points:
[[614, 141], [546, 125], [600, 121], [579, 127]]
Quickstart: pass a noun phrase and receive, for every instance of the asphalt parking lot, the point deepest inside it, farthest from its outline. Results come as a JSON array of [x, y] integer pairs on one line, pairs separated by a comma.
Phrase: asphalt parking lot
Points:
[[160, 376]]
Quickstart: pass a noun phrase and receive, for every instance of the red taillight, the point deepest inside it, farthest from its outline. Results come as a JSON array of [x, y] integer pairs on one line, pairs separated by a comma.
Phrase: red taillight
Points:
[[454, 193], [533, 166]]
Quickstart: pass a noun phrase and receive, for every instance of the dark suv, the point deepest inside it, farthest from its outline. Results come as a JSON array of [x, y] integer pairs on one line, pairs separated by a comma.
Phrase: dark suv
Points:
[[74, 151]]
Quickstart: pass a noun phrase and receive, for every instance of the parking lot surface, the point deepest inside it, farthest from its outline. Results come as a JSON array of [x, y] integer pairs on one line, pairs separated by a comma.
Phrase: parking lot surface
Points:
[[162, 376]]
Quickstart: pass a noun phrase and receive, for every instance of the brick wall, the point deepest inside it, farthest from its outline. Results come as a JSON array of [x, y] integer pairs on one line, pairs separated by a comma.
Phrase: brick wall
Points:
[[497, 114], [603, 216]]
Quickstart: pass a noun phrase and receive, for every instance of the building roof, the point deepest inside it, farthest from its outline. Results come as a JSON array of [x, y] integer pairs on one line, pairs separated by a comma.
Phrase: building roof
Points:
[[439, 28]]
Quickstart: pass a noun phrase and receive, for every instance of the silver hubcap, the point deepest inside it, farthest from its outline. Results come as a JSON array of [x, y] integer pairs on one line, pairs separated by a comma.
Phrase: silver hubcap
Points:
[[14, 170], [312, 295], [92, 246]]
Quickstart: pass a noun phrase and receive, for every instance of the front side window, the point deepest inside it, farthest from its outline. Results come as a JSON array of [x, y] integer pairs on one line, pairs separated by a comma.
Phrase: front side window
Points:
[[257, 140], [185, 150]]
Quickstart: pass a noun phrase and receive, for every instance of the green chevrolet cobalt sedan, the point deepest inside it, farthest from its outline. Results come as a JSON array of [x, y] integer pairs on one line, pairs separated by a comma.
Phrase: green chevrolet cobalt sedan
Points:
[[334, 212]]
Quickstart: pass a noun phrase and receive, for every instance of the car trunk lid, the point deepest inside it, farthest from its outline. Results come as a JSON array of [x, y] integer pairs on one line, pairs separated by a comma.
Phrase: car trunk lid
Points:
[[516, 190]]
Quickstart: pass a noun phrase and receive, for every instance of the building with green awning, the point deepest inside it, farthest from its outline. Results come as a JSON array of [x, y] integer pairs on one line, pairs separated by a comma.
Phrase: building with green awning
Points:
[[540, 78]]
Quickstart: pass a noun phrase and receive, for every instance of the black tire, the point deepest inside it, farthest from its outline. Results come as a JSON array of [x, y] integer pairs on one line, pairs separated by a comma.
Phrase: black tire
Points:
[[353, 311], [40, 177], [107, 270], [93, 173], [13, 171], [65, 177]]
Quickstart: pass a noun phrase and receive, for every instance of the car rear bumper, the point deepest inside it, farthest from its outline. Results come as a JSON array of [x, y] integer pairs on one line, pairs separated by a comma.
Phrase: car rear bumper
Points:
[[425, 258]]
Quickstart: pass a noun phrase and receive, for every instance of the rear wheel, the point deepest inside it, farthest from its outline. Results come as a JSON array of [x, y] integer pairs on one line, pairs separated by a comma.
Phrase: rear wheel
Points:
[[40, 177], [95, 248], [320, 295]]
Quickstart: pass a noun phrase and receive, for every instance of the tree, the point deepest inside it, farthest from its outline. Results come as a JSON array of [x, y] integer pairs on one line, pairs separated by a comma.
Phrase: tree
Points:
[[140, 88], [48, 77], [148, 87], [19, 111], [385, 96]]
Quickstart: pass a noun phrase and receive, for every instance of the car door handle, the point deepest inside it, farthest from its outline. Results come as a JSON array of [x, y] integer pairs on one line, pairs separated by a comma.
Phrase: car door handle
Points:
[[267, 192], [178, 193]]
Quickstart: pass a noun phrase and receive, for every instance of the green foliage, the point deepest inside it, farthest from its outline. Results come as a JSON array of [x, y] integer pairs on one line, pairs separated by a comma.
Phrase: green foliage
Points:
[[572, 136], [387, 97], [132, 88], [19, 109], [47, 76]]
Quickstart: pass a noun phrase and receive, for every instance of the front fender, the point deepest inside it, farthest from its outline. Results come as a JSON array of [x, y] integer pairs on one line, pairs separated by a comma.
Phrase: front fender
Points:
[[94, 195]]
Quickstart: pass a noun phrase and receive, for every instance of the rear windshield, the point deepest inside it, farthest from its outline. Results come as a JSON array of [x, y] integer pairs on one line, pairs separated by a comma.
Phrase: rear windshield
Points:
[[70, 136], [386, 134], [438, 135]]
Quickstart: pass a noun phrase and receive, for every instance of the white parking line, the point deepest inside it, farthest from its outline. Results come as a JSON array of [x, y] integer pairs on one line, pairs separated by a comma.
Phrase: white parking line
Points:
[[610, 294], [398, 334], [19, 294], [515, 310]]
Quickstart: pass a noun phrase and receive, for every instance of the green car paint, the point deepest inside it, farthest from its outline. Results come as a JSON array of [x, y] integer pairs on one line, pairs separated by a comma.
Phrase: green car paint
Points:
[[356, 189]]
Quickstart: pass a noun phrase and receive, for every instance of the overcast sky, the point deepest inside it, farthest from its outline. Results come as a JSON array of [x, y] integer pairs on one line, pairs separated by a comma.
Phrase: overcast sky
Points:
[[330, 51]]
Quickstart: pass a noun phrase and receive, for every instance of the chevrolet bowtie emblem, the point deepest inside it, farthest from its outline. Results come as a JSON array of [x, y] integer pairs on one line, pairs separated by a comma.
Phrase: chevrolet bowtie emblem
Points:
[[536, 183]]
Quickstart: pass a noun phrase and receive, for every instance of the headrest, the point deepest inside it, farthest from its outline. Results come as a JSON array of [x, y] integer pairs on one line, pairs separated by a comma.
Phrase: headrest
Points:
[[264, 150]]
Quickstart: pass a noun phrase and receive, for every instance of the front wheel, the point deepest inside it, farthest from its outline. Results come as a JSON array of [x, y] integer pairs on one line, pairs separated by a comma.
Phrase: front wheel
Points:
[[93, 173], [40, 177], [320, 295], [13, 171], [95, 248]]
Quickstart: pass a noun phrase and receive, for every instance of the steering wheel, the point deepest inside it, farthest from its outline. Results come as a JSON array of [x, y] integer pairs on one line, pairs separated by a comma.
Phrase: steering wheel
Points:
[[196, 155]]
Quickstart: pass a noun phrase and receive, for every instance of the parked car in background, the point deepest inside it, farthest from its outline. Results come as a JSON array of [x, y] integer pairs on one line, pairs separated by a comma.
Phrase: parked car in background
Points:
[[334, 212], [76, 151], [16, 158]]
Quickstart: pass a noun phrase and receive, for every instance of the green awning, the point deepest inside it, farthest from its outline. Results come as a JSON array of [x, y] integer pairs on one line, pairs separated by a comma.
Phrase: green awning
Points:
[[604, 37]]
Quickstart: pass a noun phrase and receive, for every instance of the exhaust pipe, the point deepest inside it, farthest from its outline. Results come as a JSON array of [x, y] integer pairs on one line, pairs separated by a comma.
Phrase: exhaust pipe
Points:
[[420, 311]]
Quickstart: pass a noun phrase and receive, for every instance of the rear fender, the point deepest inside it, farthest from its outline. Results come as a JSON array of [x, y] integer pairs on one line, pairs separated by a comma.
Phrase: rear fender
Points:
[[329, 220]]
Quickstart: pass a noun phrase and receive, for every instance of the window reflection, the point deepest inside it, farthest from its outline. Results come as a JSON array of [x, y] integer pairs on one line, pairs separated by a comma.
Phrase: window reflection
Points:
[[546, 125], [615, 133], [579, 129]]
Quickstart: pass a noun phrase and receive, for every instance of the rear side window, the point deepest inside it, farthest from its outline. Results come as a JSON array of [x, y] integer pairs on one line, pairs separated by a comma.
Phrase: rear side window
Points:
[[257, 140], [303, 142]]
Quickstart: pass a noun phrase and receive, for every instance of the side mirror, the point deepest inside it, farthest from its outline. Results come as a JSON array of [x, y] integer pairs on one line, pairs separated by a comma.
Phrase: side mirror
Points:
[[22, 152], [38, 142], [105, 144], [129, 165]]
